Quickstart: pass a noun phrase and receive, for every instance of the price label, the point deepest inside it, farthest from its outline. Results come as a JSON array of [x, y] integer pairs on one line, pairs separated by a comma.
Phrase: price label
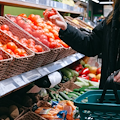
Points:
[[45, 69], [65, 62], [18, 80], [79, 55], [9, 88], [2, 89], [25, 79], [73, 59]]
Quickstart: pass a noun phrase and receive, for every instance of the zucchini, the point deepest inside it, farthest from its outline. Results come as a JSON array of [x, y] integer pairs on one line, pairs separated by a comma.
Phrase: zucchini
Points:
[[66, 72], [64, 95], [72, 94], [60, 97], [56, 87], [51, 95], [76, 90]]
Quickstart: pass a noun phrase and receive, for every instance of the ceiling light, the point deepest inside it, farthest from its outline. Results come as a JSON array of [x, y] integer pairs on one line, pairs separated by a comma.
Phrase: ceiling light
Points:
[[105, 2], [95, 1]]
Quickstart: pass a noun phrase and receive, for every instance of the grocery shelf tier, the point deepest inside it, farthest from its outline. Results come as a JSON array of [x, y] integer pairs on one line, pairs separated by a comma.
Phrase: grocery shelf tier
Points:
[[33, 6], [17, 82]]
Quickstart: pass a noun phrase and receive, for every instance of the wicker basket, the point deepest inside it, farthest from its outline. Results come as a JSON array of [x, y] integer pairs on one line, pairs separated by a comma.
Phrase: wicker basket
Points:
[[21, 33], [7, 103], [4, 64], [18, 65], [51, 57], [52, 54]]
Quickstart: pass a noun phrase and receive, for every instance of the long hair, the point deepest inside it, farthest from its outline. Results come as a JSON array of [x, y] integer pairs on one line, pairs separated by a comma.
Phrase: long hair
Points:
[[111, 15]]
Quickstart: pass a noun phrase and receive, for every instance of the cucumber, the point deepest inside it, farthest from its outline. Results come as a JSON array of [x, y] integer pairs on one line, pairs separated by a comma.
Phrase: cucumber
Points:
[[51, 95], [72, 94], [73, 72], [60, 97], [76, 90], [66, 72], [64, 95], [76, 93]]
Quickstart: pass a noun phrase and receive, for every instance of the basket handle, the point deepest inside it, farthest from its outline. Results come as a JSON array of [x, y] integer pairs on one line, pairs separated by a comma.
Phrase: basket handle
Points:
[[110, 80]]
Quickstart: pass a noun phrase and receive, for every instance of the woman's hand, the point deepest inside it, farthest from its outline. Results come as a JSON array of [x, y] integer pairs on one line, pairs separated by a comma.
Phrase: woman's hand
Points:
[[56, 19], [117, 78]]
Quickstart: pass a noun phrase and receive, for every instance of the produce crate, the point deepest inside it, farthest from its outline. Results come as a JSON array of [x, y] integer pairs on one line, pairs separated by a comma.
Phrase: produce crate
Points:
[[21, 33], [4, 64], [18, 64], [6, 103], [52, 54]]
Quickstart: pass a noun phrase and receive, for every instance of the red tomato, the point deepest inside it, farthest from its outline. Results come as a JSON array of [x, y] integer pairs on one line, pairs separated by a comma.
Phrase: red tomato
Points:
[[23, 15], [51, 40], [31, 42], [31, 17], [5, 27], [49, 23], [15, 37], [18, 51], [52, 44], [45, 41], [10, 33], [1, 58], [13, 19], [18, 18], [39, 48], [43, 36], [28, 30], [37, 33], [4, 47], [26, 25], [98, 71], [50, 12], [9, 51], [24, 41], [21, 23], [11, 45], [33, 49], [94, 79]]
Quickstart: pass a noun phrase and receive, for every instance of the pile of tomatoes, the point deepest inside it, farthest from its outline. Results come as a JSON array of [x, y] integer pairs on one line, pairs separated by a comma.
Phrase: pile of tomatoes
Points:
[[43, 31], [30, 43]]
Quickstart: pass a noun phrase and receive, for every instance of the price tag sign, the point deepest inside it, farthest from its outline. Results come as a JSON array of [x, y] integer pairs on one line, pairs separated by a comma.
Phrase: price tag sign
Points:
[[2, 89], [43, 71], [9, 88], [25, 79], [18, 80], [73, 59]]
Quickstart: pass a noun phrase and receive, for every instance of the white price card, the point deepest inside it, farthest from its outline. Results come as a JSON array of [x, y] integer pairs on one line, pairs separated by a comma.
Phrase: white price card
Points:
[[73, 59], [45, 69], [18, 80], [25, 79], [65, 62], [2, 89], [79, 55], [9, 87]]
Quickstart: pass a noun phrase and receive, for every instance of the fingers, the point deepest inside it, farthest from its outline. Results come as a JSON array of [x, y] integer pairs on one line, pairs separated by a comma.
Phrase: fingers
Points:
[[55, 11], [117, 78]]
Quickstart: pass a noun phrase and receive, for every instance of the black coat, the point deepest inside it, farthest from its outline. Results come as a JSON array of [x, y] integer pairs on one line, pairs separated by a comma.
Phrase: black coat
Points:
[[103, 39]]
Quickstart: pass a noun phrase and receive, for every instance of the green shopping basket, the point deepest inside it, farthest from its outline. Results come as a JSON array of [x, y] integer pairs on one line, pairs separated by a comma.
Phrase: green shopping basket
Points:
[[100, 104]]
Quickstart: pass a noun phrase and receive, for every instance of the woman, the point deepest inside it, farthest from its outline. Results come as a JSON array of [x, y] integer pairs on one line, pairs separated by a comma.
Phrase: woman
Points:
[[105, 39]]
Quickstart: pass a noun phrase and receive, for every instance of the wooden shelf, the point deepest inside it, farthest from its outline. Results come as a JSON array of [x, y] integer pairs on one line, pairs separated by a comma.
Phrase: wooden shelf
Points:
[[33, 6]]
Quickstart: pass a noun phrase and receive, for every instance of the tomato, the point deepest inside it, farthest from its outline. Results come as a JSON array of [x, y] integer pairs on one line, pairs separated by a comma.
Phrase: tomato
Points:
[[18, 18], [18, 51], [1, 58], [43, 36], [5, 27], [10, 33], [23, 40], [55, 33], [1, 44], [52, 44], [13, 19], [50, 12], [21, 23], [33, 49], [31, 17], [31, 42], [23, 15], [28, 30], [37, 33], [49, 28], [94, 79], [98, 71], [9, 51], [46, 30], [4, 47], [49, 23], [39, 48], [11, 45], [26, 25], [45, 41], [23, 52], [51, 40], [15, 37]]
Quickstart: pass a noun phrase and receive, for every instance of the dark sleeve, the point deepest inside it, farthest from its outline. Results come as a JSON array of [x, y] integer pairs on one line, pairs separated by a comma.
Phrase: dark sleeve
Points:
[[89, 45]]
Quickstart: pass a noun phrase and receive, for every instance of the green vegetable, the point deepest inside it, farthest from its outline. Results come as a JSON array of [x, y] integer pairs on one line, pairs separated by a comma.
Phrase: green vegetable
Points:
[[72, 94], [64, 96], [51, 95], [82, 62], [60, 97], [66, 72]]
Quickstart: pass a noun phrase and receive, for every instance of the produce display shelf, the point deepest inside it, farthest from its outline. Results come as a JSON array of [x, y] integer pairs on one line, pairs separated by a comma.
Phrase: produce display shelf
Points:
[[33, 6], [14, 83]]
